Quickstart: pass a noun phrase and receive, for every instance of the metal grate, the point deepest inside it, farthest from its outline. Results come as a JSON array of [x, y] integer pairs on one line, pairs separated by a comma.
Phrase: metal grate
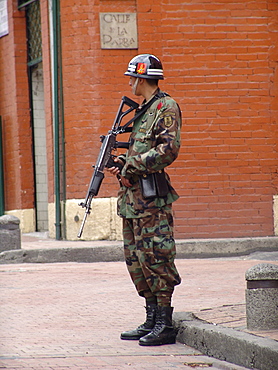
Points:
[[33, 20]]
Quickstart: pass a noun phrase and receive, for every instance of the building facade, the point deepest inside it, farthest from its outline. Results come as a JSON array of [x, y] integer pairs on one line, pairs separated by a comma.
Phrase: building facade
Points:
[[61, 76]]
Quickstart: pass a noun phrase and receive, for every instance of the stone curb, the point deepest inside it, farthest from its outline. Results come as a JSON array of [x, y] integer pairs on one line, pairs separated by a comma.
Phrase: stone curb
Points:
[[56, 255], [229, 247], [195, 248], [226, 344]]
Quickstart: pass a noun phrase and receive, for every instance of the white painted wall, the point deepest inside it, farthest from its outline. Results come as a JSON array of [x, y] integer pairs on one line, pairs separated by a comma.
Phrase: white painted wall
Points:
[[40, 149]]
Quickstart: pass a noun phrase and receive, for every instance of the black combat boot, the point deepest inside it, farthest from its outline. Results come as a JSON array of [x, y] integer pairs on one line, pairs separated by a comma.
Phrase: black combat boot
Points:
[[163, 331], [143, 329]]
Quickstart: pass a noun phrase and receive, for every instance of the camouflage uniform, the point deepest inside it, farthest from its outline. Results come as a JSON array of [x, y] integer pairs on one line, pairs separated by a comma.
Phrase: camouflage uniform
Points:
[[149, 245]]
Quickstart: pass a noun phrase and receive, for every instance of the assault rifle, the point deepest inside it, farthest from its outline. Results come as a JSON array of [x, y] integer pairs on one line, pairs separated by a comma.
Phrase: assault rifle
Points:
[[109, 144]]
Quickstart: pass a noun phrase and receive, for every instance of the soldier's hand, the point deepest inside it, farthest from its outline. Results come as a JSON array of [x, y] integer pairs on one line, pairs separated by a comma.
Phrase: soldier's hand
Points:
[[115, 170], [125, 182]]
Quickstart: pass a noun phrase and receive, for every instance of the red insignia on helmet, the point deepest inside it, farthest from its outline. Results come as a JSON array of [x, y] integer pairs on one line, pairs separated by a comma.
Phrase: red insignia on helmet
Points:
[[160, 105], [141, 68]]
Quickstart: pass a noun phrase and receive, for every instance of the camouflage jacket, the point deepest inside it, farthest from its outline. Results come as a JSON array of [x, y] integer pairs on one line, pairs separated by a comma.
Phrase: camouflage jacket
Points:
[[154, 145]]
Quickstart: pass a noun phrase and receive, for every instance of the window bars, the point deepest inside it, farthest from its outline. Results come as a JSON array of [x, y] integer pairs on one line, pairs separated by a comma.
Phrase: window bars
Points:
[[33, 23]]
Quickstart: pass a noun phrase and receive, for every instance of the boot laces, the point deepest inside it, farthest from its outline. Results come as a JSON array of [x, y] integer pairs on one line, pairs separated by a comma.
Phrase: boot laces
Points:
[[150, 318], [159, 325]]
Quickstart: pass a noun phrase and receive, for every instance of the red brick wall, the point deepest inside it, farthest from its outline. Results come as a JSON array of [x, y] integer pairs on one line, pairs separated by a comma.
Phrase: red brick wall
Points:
[[93, 87], [220, 65], [220, 62], [222, 73], [14, 109]]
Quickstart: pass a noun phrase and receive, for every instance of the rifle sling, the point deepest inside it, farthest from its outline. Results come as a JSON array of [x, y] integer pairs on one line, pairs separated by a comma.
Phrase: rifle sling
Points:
[[142, 110]]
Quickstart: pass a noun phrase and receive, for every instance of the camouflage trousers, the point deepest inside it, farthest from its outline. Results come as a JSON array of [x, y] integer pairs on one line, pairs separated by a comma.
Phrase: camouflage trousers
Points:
[[149, 249]]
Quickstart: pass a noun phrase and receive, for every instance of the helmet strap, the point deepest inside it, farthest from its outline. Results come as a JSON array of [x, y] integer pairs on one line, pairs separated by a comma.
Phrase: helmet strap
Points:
[[134, 86]]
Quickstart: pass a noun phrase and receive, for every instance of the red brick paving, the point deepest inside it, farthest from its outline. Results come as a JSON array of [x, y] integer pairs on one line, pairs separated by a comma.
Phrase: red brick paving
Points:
[[70, 316]]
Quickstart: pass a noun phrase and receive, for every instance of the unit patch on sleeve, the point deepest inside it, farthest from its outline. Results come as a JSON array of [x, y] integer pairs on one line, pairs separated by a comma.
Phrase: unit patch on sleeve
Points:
[[169, 119]]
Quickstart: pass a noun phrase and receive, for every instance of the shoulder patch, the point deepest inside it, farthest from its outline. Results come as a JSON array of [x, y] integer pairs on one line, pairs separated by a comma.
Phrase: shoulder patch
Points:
[[168, 119]]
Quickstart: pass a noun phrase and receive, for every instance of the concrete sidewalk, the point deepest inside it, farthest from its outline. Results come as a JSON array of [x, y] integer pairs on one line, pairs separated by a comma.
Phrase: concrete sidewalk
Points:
[[69, 315]]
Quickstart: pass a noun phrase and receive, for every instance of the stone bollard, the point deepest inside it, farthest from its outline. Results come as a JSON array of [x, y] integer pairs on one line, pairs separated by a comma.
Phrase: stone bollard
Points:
[[10, 237], [262, 297]]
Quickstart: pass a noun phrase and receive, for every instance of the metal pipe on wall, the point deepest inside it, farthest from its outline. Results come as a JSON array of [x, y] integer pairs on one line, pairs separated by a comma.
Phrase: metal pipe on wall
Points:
[[2, 194], [58, 111]]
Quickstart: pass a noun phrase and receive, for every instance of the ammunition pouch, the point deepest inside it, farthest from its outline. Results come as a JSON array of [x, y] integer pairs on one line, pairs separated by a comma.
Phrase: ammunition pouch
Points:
[[154, 185]]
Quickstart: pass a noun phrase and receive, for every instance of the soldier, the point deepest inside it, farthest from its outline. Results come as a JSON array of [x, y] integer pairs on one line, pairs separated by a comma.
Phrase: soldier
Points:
[[145, 201]]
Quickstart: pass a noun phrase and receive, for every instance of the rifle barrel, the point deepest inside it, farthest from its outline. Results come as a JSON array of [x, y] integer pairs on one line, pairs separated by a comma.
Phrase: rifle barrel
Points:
[[82, 225]]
